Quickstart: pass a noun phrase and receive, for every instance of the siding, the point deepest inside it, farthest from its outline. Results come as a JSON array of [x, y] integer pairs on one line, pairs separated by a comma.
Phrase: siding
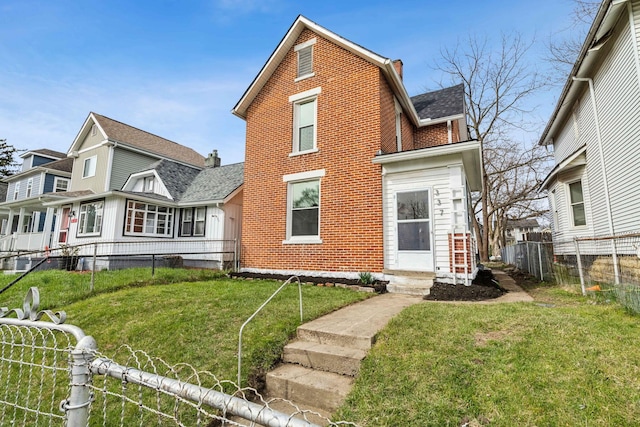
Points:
[[96, 182], [22, 193], [565, 231], [436, 175], [125, 163], [618, 100]]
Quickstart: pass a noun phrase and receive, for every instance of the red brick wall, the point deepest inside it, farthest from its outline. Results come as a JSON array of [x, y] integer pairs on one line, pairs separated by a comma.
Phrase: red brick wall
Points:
[[430, 136], [349, 133]]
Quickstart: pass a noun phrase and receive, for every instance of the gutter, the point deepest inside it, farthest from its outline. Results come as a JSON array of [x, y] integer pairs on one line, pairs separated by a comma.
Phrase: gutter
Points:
[[598, 34]]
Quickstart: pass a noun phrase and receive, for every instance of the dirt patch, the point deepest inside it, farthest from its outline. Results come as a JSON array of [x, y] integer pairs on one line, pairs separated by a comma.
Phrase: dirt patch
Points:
[[482, 338], [484, 287]]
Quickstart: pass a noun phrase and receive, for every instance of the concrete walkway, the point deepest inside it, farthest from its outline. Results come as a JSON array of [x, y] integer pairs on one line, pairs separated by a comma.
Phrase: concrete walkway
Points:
[[319, 366]]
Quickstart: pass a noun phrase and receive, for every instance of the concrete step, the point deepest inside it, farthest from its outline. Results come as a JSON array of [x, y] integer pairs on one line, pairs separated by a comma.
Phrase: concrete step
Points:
[[304, 386], [409, 289], [324, 357], [348, 340]]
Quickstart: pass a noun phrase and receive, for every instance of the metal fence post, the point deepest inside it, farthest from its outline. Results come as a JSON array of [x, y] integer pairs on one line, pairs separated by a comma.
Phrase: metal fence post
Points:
[[235, 255], [93, 268], [77, 407], [153, 266], [540, 261], [579, 260]]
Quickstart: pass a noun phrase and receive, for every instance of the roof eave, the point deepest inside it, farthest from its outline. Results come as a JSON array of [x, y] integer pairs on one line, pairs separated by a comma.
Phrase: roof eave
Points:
[[604, 22]]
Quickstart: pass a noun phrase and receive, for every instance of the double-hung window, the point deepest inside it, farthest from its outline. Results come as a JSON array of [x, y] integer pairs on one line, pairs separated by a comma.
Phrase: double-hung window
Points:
[[303, 207], [60, 185], [16, 191], [576, 199], [90, 220], [193, 221], [305, 112], [29, 187]]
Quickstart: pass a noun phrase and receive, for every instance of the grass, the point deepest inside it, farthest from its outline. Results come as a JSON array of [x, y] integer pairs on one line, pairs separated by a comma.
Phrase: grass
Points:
[[563, 360], [195, 321]]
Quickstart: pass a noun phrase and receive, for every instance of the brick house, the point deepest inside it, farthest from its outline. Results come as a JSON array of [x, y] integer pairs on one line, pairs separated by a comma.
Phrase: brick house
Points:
[[346, 173]]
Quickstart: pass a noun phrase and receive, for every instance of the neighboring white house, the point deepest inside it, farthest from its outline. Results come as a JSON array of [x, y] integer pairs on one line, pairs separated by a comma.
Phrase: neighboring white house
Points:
[[595, 133], [134, 193], [517, 230]]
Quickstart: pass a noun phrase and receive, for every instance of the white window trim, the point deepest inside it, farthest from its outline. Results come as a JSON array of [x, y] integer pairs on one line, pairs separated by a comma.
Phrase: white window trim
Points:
[[398, 122], [58, 179], [92, 173], [304, 45], [169, 214], [80, 233], [301, 98], [301, 177], [570, 205], [29, 190], [16, 191]]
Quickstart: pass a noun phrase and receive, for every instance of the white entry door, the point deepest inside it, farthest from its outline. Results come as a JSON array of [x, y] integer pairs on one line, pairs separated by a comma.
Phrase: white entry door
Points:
[[413, 230]]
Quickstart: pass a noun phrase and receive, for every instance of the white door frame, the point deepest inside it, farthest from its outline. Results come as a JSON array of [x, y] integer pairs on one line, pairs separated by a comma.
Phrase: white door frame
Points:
[[414, 260]]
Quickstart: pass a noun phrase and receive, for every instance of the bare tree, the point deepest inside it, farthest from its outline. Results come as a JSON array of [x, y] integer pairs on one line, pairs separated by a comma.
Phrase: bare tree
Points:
[[564, 46], [498, 82]]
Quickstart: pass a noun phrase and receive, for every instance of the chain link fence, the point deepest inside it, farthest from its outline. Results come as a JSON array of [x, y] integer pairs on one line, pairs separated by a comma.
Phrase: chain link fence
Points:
[[52, 373], [607, 265], [534, 258]]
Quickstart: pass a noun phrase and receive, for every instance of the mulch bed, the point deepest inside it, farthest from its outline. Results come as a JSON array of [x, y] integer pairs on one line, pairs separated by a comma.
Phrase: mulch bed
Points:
[[482, 288], [379, 285]]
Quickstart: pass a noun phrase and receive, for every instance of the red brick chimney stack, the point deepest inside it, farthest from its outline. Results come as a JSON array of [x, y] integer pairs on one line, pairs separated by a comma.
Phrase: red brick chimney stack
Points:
[[398, 66]]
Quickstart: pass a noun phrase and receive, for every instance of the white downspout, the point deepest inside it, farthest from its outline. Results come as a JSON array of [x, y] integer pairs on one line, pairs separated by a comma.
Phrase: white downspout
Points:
[[634, 40], [607, 198], [449, 132]]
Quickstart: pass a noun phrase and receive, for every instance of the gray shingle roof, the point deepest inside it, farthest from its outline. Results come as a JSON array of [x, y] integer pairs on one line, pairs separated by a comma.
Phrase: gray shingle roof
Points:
[[175, 176], [149, 142], [48, 153], [440, 103], [215, 183], [64, 165]]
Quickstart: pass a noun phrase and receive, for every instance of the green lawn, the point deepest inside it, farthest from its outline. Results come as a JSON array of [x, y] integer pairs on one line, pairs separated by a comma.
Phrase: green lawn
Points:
[[562, 360], [195, 321]]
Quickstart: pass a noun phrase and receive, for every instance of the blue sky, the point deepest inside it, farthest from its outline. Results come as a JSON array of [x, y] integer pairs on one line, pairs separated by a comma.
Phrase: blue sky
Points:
[[175, 68]]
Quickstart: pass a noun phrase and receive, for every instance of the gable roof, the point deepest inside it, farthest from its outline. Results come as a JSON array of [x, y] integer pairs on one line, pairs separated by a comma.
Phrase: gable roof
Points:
[[121, 133], [441, 103], [176, 177], [215, 183], [599, 33], [299, 25]]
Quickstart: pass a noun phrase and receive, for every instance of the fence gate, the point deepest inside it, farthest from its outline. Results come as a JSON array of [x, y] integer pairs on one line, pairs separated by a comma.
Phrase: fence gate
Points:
[[52, 374]]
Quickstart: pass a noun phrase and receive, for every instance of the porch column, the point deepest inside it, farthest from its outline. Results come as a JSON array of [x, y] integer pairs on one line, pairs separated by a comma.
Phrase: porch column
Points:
[[20, 220], [48, 226]]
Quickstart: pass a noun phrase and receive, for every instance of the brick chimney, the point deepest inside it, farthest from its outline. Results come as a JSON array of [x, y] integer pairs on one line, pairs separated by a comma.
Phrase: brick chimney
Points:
[[212, 160], [398, 66]]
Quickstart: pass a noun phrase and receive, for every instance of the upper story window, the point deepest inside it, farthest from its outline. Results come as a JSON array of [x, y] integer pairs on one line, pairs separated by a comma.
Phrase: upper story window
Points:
[[90, 221], [576, 199], [305, 59], [89, 167], [29, 187], [148, 184], [60, 184], [305, 107], [16, 191], [94, 130]]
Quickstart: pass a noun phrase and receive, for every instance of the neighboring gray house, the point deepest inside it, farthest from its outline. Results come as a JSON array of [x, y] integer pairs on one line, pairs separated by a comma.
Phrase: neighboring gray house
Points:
[[25, 223], [595, 133]]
